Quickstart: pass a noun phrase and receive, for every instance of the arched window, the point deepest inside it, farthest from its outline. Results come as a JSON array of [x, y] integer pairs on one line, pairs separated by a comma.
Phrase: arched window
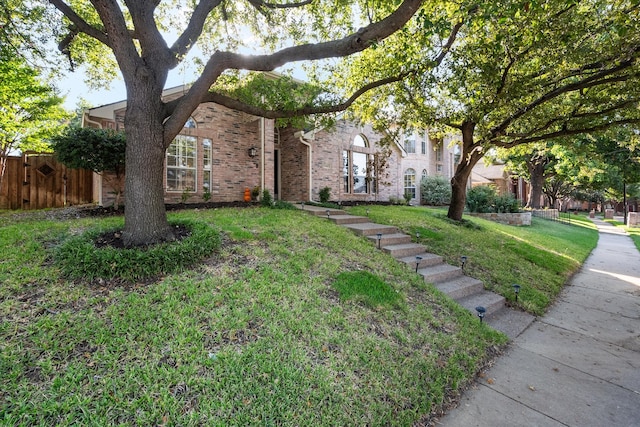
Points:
[[360, 141], [410, 182], [191, 123]]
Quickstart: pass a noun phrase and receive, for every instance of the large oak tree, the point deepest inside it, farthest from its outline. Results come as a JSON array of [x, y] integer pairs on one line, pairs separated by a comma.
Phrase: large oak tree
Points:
[[137, 34], [521, 72]]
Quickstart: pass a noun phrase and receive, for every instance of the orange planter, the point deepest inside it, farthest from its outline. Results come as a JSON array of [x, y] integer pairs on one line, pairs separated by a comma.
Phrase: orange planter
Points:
[[247, 195]]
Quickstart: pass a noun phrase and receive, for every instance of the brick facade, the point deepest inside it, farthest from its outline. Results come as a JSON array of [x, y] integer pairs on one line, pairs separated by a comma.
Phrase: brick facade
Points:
[[292, 165]]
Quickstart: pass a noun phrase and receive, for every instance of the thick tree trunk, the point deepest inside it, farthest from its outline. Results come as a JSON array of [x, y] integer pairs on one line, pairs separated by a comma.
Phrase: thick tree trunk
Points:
[[470, 155], [145, 213], [536, 173]]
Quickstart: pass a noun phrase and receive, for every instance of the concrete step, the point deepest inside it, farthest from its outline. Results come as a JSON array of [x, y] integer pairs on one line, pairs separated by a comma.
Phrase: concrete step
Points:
[[510, 321], [460, 287], [403, 250], [371, 229], [348, 219], [490, 301], [425, 261], [439, 273], [390, 239], [321, 211]]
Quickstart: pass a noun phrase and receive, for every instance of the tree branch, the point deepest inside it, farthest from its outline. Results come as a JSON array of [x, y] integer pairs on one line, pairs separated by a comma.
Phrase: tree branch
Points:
[[348, 45], [80, 24], [194, 29]]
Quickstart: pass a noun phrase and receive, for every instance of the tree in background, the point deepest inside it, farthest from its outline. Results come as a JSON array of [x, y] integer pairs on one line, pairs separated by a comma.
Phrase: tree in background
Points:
[[517, 73], [30, 109], [99, 150]]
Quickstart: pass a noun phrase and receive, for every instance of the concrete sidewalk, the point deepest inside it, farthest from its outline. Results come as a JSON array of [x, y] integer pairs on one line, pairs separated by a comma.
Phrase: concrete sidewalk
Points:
[[579, 365]]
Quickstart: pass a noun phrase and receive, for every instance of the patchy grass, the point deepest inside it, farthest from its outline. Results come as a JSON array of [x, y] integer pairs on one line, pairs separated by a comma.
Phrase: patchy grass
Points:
[[256, 334], [540, 258]]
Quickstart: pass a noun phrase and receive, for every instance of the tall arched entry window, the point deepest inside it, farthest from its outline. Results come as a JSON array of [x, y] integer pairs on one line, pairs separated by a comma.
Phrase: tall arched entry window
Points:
[[356, 170], [410, 182]]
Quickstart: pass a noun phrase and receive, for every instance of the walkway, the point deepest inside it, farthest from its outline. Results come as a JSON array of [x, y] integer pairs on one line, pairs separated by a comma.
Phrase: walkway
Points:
[[579, 365]]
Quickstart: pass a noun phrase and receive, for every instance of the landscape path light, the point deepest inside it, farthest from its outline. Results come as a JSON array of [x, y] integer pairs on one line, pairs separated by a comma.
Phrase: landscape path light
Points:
[[418, 259], [481, 311], [463, 260], [516, 290], [379, 236]]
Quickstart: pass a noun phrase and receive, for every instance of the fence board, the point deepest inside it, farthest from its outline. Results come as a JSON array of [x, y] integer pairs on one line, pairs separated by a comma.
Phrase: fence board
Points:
[[38, 181]]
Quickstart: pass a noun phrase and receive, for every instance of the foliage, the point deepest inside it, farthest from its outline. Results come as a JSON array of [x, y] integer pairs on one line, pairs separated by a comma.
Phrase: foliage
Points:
[[325, 194], [206, 193], [281, 204], [30, 109], [366, 287], [481, 199], [254, 335], [506, 203], [267, 199], [397, 200], [255, 192], [79, 258], [514, 75], [435, 190], [99, 150]]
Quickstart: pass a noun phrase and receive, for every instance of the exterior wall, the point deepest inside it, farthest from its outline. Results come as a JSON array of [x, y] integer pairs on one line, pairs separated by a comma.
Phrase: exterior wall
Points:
[[232, 133], [327, 148]]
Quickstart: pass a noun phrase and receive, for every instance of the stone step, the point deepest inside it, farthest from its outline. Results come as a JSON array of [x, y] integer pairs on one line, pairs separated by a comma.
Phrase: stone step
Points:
[[348, 219], [439, 273], [460, 287], [426, 260], [490, 301], [321, 211], [390, 239], [403, 250], [371, 229], [509, 321]]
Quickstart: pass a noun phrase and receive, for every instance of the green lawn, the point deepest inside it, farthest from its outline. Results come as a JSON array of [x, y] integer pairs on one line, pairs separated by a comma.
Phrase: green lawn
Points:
[[540, 258], [277, 328]]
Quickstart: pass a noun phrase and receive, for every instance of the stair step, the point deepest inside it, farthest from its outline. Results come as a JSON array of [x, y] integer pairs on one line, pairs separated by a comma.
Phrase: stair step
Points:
[[371, 229], [320, 211], [403, 250], [490, 301], [426, 261], [509, 321], [460, 287], [439, 273], [348, 219], [391, 239]]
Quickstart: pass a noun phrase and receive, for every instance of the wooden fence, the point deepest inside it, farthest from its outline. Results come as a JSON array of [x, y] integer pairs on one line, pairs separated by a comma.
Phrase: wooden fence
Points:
[[38, 181]]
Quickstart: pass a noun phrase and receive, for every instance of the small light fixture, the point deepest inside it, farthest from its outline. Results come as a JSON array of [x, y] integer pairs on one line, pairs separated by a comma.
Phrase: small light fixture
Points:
[[379, 236], [302, 204], [418, 236], [328, 213], [463, 260], [367, 211], [481, 311], [253, 151], [516, 290], [418, 259]]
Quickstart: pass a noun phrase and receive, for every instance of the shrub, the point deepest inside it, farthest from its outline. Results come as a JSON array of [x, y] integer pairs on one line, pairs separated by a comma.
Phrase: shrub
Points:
[[407, 197], [435, 190], [78, 257], [281, 204], [267, 199], [325, 194], [396, 200], [506, 204], [206, 194], [481, 199]]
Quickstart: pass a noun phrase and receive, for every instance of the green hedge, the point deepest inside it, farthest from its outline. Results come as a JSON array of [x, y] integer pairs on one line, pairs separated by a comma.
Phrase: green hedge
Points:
[[78, 256]]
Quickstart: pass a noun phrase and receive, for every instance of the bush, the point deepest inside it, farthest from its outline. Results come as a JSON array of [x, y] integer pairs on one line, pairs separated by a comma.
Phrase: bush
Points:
[[481, 199], [281, 204], [325, 194], [267, 199], [396, 200], [435, 190], [506, 204], [78, 257]]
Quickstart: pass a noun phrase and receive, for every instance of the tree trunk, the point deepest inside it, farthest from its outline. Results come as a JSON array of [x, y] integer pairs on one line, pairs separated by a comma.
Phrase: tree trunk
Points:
[[536, 172], [145, 213], [471, 153]]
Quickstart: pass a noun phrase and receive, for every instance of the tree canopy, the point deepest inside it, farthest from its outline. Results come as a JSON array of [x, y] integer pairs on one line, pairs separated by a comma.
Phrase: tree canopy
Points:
[[517, 73]]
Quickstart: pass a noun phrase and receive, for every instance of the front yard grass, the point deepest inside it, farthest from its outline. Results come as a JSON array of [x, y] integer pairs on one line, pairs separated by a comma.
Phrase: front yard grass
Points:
[[262, 332], [540, 258]]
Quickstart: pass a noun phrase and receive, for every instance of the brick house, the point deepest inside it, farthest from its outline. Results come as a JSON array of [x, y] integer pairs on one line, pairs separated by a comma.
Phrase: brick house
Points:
[[222, 152]]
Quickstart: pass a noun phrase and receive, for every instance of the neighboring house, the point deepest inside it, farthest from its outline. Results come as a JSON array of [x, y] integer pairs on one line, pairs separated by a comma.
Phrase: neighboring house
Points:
[[496, 175], [222, 152]]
